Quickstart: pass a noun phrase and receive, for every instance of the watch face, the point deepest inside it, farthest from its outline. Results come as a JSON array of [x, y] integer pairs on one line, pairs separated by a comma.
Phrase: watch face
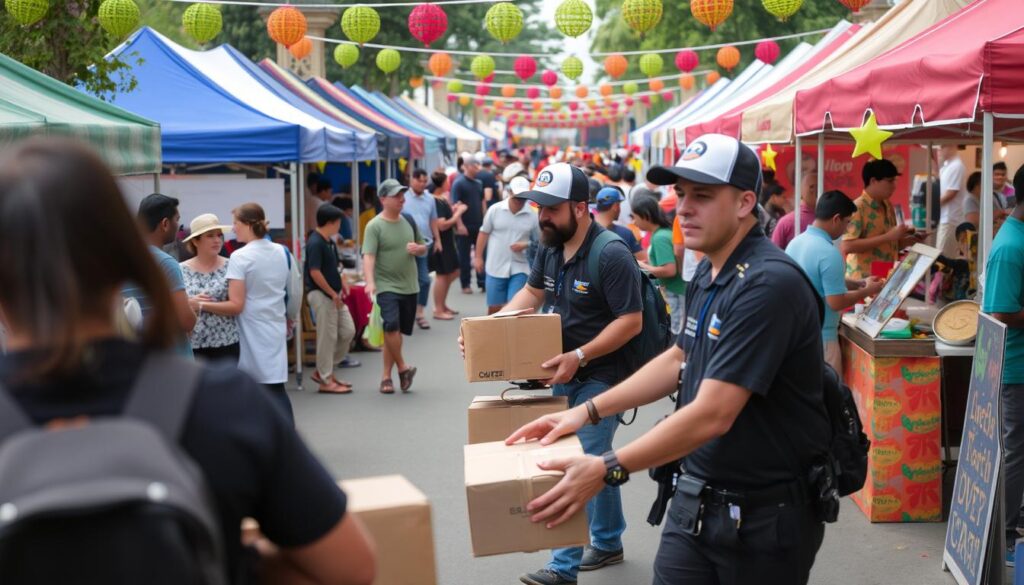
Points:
[[616, 476]]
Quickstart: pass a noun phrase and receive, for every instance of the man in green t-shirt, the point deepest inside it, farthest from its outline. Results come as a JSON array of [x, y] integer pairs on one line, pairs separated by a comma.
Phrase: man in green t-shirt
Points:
[[390, 246]]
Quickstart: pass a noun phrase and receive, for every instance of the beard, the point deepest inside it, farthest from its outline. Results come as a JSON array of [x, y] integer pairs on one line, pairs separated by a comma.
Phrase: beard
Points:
[[553, 236]]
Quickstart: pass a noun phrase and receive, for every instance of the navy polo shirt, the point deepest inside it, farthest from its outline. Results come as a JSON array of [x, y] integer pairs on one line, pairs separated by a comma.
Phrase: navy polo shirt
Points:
[[757, 325], [587, 309]]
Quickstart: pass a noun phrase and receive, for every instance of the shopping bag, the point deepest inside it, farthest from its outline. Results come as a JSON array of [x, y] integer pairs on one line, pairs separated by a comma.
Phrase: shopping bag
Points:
[[374, 332]]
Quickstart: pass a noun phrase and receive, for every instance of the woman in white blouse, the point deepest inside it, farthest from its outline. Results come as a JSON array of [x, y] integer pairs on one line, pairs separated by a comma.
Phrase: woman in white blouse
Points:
[[258, 277], [214, 337]]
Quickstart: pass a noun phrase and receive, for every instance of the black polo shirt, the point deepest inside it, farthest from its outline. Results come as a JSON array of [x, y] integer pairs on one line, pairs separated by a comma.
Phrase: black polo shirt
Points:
[[322, 255], [585, 309], [757, 325]]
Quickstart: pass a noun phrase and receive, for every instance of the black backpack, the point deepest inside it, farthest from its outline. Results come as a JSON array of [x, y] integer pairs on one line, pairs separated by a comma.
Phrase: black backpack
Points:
[[113, 501], [849, 448]]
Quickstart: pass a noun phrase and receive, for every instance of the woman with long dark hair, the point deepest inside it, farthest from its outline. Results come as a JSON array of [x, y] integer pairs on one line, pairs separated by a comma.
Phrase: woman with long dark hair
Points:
[[446, 262], [67, 245], [662, 263]]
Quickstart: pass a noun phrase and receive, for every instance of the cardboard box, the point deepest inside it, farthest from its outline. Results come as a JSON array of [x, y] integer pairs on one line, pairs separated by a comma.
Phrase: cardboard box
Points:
[[500, 481], [511, 346], [397, 515], [492, 418]]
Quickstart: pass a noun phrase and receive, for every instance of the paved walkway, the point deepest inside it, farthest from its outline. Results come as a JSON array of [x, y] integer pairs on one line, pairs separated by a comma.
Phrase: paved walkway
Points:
[[421, 434]]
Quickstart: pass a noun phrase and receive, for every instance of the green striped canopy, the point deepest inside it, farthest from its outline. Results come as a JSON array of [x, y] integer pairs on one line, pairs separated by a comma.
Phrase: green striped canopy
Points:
[[33, 103]]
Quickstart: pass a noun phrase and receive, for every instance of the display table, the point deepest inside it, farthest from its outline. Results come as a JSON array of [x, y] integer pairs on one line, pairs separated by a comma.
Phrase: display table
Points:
[[897, 387]]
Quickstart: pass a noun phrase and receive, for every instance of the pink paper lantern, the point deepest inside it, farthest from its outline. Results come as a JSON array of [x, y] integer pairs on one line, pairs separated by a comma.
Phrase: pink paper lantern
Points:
[[574, 116], [549, 78], [767, 51], [533, 93], [518, 104], [427, 22], [667, 95], [574, 106], [525, 67], [452, 98], [645, 99], [488, 79], [629, 102], [487, 109], [687, 60], [614, 106], [479, 101], [483, 90]]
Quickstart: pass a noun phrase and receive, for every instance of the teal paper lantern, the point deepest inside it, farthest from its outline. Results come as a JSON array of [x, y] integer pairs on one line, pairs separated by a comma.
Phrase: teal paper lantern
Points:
[[388, 60], [118, 17], [27, 12], [572, 67], [573, 18], [504, 21], [202, 21], [482, 66], [651, 64], [360, 24], [346, 55], [454, 86]]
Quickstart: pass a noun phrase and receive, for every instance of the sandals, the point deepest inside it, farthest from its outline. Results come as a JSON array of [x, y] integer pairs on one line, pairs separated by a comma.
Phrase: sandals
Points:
[[443, 316], [405, 378], [335, 388], [387, 387], [422, 323]]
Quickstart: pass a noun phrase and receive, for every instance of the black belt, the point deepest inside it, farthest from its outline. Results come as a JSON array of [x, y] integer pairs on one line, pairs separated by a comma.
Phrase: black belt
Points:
[[794, 492]]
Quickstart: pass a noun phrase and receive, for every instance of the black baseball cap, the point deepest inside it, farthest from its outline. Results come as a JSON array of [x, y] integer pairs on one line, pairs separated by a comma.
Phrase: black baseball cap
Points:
[[557, 184], [713, 159]]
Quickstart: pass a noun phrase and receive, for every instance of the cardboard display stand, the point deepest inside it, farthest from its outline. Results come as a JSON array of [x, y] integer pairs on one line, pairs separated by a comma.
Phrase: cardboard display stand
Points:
[[897, 288]]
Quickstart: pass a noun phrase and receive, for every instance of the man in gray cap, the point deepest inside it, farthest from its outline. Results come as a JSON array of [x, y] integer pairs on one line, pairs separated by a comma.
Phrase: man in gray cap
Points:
[[750, 422]]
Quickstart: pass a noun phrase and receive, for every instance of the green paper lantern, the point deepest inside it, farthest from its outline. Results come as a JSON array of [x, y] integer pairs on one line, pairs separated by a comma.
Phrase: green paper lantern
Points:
[[630, 87], [388, 60], [27, 12], [655, 98], [202, 21], [572, 67], [360, 24], [118, 17], [651, 64], [482, 66], [641, 15], [454, 86], [782, 9], [573, 18], [504, 21], [346, 55]]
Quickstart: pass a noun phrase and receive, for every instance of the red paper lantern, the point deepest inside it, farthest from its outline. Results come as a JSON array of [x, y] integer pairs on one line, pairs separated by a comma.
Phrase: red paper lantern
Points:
[[427, 22], [286, 25], [301, 49], [615, 65], [525, 67], [533, 92], [645, 100], [488, 79], [549, 77], [855, 5], [687, 60], [440, 64], [487, 109], [767, 51]]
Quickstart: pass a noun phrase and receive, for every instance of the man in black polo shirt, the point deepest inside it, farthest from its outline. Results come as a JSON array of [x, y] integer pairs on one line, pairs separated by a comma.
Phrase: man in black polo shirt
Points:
[[597, 321], [326, 297], [750, 419]]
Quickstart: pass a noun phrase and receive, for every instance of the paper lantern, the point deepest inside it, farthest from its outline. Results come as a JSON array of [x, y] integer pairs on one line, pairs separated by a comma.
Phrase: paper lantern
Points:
[[120, 17], [301, 49], [630, 87], [656, 85], [488, 79], [464, 100], [452, 98], [504, 21], [686, 82], [713, 77], [538, 106], [508, 90], [555, 92], [27, 12], [439, 64], [479, 102], [687, 60], [533, 92], [416, 82], [646, 99], [518, 104], [573, 18], [286, 25], [549, 78], [572, 67], [427, 22], [454, 86], [605, 90], [667, 95], [525, 67], [360, 24], [782, 9], [651, 64], [592, 104], [556, 105], [487, 110], [582, 91], [629, 102], [641, 15], [711, 12], [482, 66], [202, 22], [608, 100], [855, 5], [728, 57], [346, 55], [499, 105], [615, 65], [767, 51], [388, 60], [483, 90], [574, 106]]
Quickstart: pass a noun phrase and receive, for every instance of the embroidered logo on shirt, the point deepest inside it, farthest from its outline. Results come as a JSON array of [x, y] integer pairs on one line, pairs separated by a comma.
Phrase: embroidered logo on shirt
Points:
[[580, 287], [714, 327], [691, 327], [549, 283]]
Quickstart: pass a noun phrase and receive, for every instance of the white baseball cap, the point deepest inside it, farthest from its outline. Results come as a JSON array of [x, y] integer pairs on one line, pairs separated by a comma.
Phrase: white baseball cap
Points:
[[557, 184], [518, 186], [713, 159], [512, 170]]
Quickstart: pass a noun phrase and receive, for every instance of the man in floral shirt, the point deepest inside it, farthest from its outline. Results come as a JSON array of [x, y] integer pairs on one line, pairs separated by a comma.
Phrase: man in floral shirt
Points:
[[874, 235]]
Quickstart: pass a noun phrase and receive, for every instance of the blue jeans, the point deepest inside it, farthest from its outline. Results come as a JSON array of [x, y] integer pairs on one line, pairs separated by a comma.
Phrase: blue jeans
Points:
[[423, 272], [501, 290], [604, 512]]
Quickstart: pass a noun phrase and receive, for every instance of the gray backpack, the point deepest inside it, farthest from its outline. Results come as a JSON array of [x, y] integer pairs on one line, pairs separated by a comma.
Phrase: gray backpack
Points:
[[114, 500]]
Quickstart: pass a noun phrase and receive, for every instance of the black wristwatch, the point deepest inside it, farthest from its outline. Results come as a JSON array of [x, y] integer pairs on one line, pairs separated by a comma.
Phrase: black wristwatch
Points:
[[615, 474]]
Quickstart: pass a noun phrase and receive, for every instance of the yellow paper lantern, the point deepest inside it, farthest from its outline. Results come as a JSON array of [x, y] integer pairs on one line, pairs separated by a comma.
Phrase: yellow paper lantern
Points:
[[504, 21], [464, 100], [346, 55], [202, 21], [573, 17], [641, 15], [388, 60], [360, 24], [119, 17]]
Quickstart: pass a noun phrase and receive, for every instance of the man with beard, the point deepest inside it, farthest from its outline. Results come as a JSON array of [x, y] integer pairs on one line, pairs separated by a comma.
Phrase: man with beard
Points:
[[597, 321]]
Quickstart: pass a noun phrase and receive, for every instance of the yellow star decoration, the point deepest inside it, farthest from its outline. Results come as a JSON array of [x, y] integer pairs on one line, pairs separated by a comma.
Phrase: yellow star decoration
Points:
[[768, 157], [869, 138]]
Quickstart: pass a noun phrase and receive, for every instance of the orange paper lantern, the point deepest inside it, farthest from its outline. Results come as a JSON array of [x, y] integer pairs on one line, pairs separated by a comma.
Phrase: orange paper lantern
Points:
[[464, 100], [286, 25], [615, 66], [555, 92], [605, 90], [415, 82], [656, 85], [686, 82], [440, 64], [711, 12], [301, 49], [713, 76], [582, 91], [499, 105], [728, 57], [508, 91], [538, 106]]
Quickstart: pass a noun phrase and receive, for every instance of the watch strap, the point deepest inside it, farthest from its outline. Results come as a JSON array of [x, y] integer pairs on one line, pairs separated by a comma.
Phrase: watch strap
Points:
[[595, 418]]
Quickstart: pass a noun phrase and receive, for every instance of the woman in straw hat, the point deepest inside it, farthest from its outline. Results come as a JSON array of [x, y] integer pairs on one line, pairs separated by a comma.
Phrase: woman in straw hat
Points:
[[215, 337]]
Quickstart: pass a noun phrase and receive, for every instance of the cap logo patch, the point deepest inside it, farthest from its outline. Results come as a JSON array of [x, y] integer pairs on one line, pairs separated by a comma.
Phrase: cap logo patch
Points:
[[695, 151], [544, 179]]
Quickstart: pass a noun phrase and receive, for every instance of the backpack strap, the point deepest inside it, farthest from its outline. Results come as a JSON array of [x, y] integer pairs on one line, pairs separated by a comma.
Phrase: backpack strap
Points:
[[594, 256], [163, 391], [12, 417]]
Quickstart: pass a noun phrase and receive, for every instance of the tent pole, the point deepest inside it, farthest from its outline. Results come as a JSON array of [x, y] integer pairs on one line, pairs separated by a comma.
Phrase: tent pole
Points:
[[389, 172], [985, 229], [798, 181], [376, 170], [295, 218], [355, 210], [928, 210], [156, 182], [821, 164]]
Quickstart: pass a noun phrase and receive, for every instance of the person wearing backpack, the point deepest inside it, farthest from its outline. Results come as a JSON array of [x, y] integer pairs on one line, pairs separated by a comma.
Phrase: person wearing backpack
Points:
[[121, 461], [598, 296], [750, 425]]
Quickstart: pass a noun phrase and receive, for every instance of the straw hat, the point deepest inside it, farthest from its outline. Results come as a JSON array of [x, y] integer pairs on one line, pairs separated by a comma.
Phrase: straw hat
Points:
[[205, 223]]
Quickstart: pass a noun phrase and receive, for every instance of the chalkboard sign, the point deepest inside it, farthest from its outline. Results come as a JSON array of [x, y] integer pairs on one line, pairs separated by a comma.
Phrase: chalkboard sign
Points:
[[975, 502]]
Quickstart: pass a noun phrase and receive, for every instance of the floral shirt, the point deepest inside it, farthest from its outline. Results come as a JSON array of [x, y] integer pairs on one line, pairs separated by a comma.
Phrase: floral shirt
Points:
[[210, 330], [872, 218]]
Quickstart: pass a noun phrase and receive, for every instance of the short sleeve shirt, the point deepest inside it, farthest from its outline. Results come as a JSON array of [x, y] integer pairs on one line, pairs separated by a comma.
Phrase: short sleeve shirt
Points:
[[322, 255], [953, 177], [660, 254], [394, 267], [505, 228], [628, 237], [422, 209], [470, 192], [814, 251], [586, 309], [785, 229], [872, 218], [263, 266], [756, 325], [172, 270], [1004, 292]]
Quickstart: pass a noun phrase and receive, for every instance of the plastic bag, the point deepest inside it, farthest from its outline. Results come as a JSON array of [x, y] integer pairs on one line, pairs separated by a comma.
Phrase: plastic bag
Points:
[[374, 332]]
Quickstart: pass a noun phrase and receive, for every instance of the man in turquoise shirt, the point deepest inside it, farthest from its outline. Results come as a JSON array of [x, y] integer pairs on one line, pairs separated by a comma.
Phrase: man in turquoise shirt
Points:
[[816, 253], [1004, 300]]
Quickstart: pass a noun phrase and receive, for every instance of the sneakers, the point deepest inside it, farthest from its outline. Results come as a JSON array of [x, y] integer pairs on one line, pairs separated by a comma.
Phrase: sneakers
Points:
[[1011, 553], [595, 558], [545, 577]]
